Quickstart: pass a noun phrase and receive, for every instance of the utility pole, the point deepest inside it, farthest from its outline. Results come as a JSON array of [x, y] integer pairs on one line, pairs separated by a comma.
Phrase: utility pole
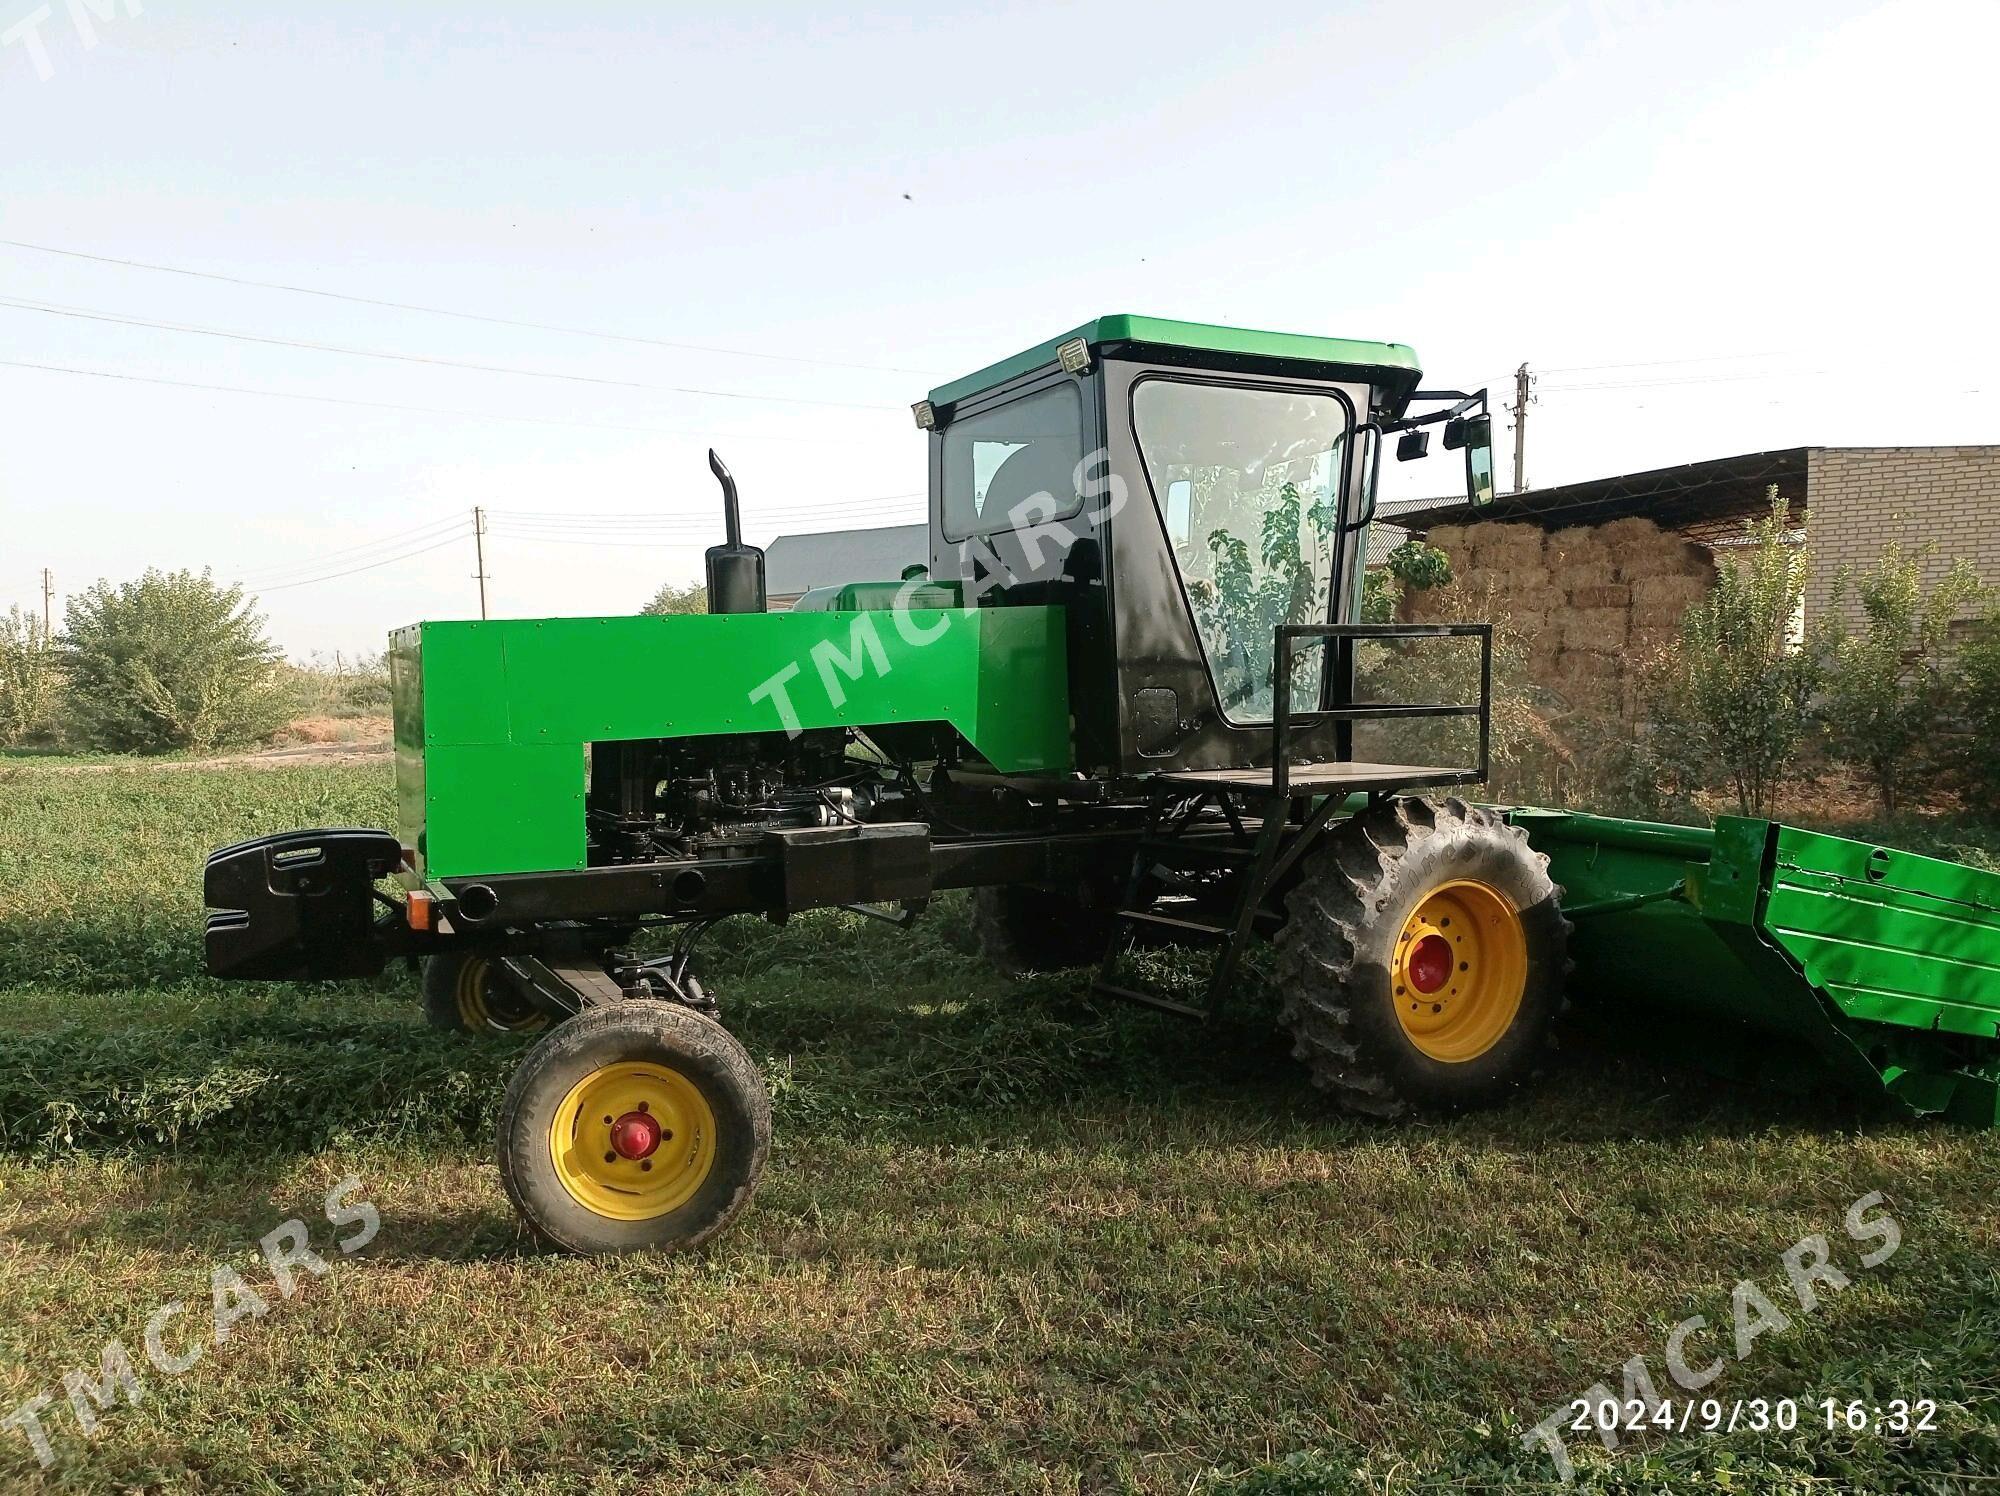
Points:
[[479, 552], [48, 597], [1524, 384]]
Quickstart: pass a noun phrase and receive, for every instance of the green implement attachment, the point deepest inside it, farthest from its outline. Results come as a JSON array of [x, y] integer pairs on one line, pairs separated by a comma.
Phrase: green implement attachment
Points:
[[1786, 956]]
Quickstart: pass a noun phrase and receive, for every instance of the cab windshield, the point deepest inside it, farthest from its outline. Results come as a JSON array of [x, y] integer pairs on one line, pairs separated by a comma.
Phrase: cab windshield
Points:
[[1248, 486]]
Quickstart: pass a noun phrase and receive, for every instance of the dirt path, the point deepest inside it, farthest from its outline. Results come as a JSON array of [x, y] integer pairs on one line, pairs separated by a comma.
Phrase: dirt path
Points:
[[263, 758]]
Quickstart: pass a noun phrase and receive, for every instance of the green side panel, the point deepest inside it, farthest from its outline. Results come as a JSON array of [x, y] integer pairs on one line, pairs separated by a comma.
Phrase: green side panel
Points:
[[1199, 337], [503, 808], [530, 694], [1893, 937]]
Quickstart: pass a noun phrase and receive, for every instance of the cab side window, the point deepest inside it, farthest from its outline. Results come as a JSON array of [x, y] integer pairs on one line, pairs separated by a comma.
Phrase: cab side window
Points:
[[1014, 467]]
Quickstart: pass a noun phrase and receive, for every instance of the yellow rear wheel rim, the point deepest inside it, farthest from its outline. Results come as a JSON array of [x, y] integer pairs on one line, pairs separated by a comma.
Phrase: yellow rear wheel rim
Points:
[[597, 1134], [476, 1013], [1460, 970]]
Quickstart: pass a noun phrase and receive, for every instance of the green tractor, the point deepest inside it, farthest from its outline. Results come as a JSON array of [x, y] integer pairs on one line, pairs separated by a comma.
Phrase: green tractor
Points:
[[1130, 703]]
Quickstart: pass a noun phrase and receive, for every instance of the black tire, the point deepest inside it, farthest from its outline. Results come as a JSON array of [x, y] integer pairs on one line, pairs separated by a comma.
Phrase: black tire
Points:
[[1338, 953], [466, 994], [1022, 929], [661, 1040]]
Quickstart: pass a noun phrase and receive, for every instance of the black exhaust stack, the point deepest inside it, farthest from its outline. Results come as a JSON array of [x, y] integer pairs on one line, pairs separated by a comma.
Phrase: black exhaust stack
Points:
[[735, 570]]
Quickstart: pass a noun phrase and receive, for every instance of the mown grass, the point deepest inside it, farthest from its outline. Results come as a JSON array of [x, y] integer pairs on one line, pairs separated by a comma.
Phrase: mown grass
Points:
[[1006, 1241]]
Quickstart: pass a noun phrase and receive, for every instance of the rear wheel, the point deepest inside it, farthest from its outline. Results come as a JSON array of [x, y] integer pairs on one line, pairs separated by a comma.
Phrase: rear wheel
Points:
[[1423, 960], [473, 995], [638, 1124]]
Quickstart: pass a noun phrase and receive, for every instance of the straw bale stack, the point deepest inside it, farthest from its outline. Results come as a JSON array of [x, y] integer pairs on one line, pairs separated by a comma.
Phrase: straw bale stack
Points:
[[1595, 602]]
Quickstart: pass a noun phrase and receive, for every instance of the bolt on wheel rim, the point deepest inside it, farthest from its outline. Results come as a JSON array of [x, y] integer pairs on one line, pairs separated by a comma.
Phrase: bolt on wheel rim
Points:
[[1460, 970], [633, 1141]]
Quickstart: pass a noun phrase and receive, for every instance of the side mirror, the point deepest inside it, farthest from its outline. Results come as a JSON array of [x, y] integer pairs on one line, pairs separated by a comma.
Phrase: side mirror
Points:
[[1479, 473], [1413, 444], [1475, 435]]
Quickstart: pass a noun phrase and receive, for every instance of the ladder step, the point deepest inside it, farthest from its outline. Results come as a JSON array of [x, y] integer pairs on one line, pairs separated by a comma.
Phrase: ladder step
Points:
[[1149, 999], [1171, 922]]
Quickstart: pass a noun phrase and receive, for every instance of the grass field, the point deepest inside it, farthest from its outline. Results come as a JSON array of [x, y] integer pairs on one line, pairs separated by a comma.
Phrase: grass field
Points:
[[1006, 1241]]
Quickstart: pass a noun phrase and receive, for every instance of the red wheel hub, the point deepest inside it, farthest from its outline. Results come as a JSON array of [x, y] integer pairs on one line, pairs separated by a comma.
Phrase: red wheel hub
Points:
[[635, 1135], [1430, 963]]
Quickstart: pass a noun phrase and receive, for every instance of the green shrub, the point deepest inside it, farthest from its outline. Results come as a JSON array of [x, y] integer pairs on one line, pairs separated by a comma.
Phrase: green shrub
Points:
[[1886, 695], [1732, 701], [170, 661], [339, 687], [31, 679]]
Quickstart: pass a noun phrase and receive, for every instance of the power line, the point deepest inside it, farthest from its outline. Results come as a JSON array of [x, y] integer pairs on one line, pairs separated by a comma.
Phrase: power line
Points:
[[439, 533], [422, 410], [433, 311], [371, 566], [645, 522], [357, 553], [1661, 363], [88, 314], [844, 518], [691, 542], [1654, 384]]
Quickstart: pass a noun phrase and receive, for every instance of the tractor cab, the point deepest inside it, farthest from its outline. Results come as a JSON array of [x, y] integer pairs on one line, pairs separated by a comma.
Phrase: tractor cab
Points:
[[1184, 492]]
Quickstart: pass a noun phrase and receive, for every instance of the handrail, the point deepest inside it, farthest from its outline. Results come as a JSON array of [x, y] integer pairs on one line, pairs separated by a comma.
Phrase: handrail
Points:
[[1344, 711]]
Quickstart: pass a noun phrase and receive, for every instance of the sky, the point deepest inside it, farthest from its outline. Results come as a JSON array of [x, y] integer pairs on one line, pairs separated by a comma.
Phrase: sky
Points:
[[1709, 228]]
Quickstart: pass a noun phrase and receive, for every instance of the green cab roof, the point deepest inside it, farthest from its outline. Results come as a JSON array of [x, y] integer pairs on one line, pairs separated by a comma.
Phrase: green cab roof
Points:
[[1230, 344]]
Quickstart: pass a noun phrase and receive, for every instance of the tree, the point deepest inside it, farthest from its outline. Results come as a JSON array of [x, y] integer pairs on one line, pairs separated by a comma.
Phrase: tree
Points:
[[1733, 698], [671, 601], [1887, 691], [1240, 610], [172, 660], [1412, 566], [1420, 567], [1975, 750], [30, 678]]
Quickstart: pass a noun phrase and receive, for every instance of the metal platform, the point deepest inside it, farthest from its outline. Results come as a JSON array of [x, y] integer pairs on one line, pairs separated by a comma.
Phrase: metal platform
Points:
[[1317, 779]]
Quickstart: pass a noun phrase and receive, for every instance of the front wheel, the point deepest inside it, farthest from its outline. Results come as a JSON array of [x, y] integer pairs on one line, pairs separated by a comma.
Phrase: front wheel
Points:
[[1423, 959], [638, 1124]]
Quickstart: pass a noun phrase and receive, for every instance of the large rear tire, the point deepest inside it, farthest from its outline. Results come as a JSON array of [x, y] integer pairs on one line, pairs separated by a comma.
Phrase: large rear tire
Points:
[[471, 995], [635, 1125], [1423, 960]]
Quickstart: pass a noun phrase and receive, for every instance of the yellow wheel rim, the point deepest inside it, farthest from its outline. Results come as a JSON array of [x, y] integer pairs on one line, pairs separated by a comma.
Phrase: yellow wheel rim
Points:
[[475, 1009], [633, 1141], [1460, 969]]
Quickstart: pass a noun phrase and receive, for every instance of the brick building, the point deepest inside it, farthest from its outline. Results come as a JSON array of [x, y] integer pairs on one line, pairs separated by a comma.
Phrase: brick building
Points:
[[1861, 498]]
